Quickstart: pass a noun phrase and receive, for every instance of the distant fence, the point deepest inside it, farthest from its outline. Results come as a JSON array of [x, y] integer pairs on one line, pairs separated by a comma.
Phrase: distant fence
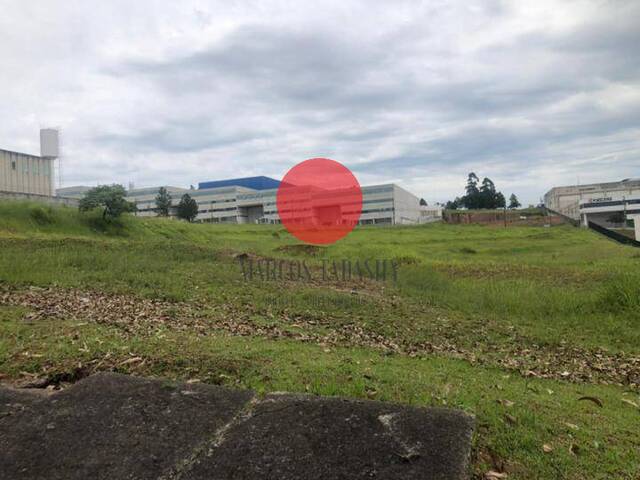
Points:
[[612, 234], [500, 217], [477, 216], [32, 197]]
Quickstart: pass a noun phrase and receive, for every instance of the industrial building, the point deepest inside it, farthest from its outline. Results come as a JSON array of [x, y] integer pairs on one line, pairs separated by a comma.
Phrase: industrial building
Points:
[[602, 203], [21, 173], [430, 214], [73, 192], [253, 200]]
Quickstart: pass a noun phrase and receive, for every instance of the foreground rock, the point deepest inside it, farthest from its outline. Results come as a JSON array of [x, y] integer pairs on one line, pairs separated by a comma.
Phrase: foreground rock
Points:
[[115, 427]]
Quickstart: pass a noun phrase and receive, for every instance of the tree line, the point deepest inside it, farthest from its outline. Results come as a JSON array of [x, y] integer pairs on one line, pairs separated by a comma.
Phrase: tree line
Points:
[[187, 208], [482, 195], [112, 199]]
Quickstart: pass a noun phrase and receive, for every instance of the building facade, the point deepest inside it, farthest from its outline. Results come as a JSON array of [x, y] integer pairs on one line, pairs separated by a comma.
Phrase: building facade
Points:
[[430, 214], [23, 173], [30, 174], [225, 203], [606, 204], [76, 192], [576, 200], [612, 211]]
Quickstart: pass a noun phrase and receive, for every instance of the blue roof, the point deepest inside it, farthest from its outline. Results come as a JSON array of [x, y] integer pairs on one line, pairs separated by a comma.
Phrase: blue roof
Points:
[[257, 183]]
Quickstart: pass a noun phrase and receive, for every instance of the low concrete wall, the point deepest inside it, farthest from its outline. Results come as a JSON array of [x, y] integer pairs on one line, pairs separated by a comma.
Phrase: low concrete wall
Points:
[[30, 197]]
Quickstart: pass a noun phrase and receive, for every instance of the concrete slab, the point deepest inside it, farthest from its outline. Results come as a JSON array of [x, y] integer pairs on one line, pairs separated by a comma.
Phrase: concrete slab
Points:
[[113, 426], [13, 401], [303, 437]]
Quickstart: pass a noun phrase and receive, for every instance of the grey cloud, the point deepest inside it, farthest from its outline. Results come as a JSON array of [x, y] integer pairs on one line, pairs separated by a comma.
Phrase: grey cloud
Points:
[[393, 90], [176, 138]]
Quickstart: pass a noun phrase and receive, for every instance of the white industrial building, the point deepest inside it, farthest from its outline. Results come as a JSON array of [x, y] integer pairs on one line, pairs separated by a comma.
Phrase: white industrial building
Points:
[[21, 173], [597, 202], [73, 192], [226, 202], [381, 204], [430, 214]]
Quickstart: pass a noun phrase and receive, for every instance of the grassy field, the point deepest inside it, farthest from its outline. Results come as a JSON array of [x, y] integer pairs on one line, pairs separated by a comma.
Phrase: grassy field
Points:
[[516, 326]]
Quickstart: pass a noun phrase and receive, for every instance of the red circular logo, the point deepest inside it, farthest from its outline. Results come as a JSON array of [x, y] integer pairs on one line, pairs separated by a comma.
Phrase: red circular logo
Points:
[[319, 201]]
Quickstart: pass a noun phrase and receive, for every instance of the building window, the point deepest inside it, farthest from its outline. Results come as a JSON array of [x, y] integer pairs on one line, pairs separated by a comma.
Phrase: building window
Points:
[[13, 164]]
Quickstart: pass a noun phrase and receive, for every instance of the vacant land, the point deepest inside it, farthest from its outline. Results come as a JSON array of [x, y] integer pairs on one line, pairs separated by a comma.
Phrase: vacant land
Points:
[[533, 330]]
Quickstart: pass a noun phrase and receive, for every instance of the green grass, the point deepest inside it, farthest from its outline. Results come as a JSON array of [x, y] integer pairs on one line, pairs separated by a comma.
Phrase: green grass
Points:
[[491, 292]]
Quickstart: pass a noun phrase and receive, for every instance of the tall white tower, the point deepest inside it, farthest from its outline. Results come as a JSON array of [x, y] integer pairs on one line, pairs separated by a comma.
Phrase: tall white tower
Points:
[[49, 143], [49, 151]]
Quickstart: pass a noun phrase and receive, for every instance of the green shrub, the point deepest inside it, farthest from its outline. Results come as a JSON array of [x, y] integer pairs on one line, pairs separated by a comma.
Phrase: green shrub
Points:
[[104, 225], [407, 260], [621, 294], [42, 215]]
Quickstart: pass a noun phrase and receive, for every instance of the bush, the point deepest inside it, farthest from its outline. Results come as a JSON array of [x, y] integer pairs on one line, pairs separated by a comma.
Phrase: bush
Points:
[[110, 198], [621, 294], [42, 215], [107, 226]]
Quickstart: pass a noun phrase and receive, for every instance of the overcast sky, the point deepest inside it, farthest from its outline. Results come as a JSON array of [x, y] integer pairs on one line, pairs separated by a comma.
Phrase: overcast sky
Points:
[[532, 94]]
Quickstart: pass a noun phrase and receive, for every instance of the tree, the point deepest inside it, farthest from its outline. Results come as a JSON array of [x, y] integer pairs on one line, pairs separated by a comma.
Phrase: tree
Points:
[[111, 198], [471, 199], [488, 198], [514, 202], [187, 208], [423, 202], [453, 205], [163, 202]]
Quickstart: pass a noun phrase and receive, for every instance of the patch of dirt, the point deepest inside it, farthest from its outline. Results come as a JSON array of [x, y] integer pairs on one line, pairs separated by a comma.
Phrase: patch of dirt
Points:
[[139, 316], [301, 248], [366, 286], [55, 380]]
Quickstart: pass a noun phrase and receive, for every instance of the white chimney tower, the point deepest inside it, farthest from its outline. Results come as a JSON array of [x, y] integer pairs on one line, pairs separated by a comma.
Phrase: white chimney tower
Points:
[[49, 143]]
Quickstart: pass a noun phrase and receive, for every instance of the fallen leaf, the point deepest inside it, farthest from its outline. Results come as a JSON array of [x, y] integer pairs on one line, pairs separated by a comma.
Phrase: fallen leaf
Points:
[[574, 449], [546, 448], [572, 426], [493, 475], [130, 360], [631, 402]]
